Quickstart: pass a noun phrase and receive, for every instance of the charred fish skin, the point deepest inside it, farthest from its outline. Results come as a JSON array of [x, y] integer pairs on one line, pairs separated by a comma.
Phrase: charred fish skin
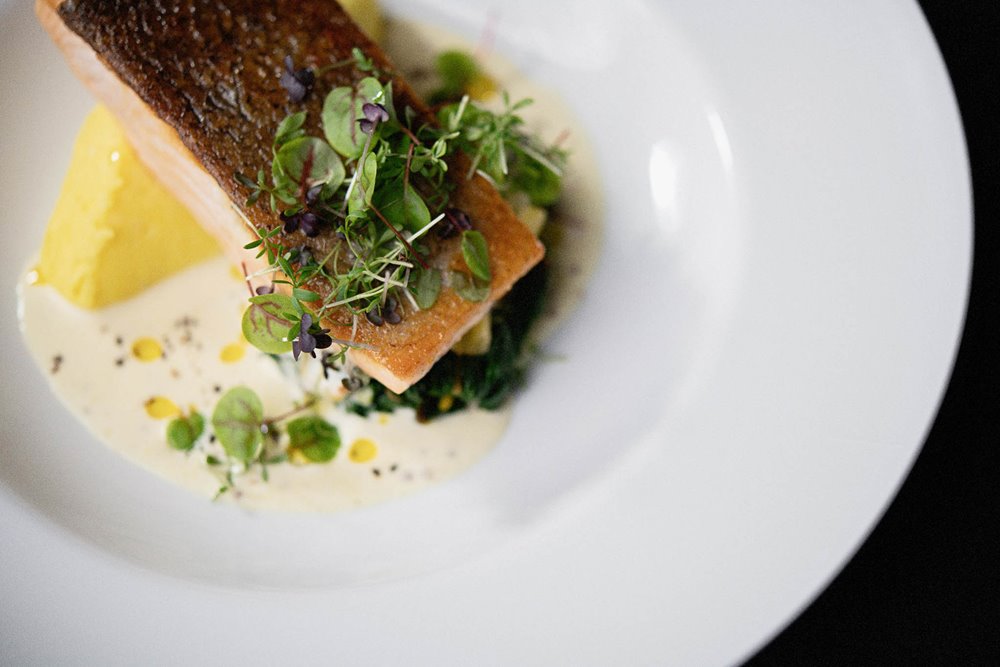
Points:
[[211, 69], [201, 80]]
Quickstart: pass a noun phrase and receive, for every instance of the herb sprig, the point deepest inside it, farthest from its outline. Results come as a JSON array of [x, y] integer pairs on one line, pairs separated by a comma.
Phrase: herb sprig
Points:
[[377, 180], [250, 440]]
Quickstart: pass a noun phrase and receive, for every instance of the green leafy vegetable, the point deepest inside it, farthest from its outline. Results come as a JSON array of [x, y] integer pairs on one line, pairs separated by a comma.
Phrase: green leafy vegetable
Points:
[[341, 111], [290, 128], [309, 161], [267, 320], [314, 437], [428, 286], [237, 421], [403, 206], [182, 432], [457, 382], [476, 254], [456, 70], [360, 192], [469, 288]]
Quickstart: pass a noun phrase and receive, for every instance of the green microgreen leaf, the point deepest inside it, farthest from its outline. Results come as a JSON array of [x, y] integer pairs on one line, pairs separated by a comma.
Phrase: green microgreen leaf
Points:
[[469, 288], [476, 253], [305, 295], [427, 288], [266, 323], [542, 185], [403, 207], [339, 122], [290, 128], [341, 111], [315, 438], [308, 161], [183, 432], [364, 187], [244, 180], [237, 420], [456, 69]]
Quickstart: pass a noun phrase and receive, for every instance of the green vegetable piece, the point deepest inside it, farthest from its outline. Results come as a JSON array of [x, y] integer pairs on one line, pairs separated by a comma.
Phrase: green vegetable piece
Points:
[[314, 437], [470, 289], [308, 161], [305, 295], [403, 207], [237, 420], [364, 186], [266, 323], [542, 185], [476, 253], [290, 128], [457, 69], [341, 111], [183, 432], [428, 286]]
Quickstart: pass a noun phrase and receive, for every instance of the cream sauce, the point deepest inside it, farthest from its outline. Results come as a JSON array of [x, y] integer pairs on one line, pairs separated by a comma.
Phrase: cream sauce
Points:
[[127, 369]]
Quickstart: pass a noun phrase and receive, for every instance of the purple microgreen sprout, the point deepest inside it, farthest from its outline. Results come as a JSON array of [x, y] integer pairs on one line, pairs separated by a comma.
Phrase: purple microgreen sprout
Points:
[[297, 82], [311, 338], [455, 221], [374, 114]]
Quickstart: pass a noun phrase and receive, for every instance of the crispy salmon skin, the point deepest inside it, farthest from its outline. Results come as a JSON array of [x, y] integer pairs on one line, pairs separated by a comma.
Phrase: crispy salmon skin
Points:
[[196, 86]]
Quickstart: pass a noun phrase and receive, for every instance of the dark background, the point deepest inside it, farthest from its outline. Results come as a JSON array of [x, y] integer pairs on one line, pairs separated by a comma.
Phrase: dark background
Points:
[[924, 589]]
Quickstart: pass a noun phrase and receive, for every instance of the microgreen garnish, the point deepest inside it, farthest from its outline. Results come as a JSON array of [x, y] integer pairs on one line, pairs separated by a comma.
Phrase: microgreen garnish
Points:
[[267, 321], [374, 114], [476, 254], [183, 432], [376, 180], [503, 152], [298, 82], [248, 439], [469, 288], [456, 69], [311, 338], [237, 421], [314, 438]]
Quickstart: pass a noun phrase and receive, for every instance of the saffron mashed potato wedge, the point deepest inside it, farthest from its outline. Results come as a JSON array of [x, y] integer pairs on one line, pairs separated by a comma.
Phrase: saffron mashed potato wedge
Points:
[[115, 231]]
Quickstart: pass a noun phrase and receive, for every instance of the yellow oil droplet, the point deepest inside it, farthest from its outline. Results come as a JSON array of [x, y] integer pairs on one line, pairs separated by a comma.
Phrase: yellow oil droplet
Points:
[[363, 450], [147, 349], [161, 407], [232, 353], [297, 457], [383, 419], [481, 88], [445, 403]]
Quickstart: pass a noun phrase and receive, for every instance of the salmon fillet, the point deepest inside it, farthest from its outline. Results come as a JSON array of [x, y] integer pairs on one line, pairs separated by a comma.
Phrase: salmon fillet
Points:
[[195, 83]]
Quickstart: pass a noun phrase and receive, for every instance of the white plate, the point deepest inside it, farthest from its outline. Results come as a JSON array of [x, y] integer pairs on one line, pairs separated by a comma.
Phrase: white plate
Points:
[[768, 335]]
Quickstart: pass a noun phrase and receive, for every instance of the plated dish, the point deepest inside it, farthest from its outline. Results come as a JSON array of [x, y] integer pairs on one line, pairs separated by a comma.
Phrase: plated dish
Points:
[[687, 502], [393, 309]]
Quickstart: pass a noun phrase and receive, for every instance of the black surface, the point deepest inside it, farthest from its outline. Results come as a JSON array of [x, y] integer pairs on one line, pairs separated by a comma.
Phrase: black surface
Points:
[[924, 589]]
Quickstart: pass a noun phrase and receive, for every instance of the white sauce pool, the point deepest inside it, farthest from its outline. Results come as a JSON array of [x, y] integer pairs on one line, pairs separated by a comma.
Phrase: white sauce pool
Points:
[[127, 369]]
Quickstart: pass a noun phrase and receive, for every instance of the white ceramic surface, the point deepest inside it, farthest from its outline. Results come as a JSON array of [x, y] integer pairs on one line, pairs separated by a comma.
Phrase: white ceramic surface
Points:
[[769, 332]]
